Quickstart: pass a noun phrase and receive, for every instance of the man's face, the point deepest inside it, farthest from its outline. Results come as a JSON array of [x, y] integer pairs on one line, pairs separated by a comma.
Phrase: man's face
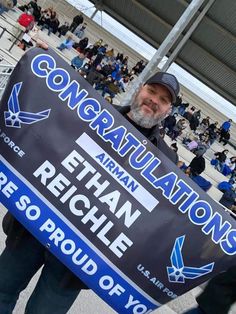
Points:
[[151, 105]]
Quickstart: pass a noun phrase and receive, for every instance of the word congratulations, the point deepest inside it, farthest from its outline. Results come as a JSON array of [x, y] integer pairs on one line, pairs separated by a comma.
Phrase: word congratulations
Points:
[[124, 143]]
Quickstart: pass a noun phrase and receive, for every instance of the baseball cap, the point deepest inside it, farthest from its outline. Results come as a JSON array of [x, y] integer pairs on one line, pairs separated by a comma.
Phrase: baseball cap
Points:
[[168, 80]]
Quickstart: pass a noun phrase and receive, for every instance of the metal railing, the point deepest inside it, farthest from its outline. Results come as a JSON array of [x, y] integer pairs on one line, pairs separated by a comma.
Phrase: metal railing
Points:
[[6, 68]]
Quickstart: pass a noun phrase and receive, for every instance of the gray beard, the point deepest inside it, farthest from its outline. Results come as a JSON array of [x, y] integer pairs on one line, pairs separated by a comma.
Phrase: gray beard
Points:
[[146, 122]]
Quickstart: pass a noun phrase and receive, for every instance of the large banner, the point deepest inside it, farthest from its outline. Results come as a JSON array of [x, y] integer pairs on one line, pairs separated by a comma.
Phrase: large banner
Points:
[[101, 197]]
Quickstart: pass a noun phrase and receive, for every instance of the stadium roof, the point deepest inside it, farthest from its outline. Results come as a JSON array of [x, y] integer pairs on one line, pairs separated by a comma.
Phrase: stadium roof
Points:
[[209, 54]]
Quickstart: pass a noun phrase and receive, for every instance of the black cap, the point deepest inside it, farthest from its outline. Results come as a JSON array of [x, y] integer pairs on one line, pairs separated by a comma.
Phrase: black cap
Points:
[[168, 80]]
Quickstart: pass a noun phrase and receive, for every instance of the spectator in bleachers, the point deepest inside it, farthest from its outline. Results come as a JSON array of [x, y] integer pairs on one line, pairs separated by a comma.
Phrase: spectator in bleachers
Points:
[[204, 184], [111, 88], [182, 108], [77, 62], [107, 69], [100, 55], [179, 100], [36, 9], [193, 145], [99, 42], [194, 121], [198, 163], [109, 55], [119, 56], [32, 4], [66, 44], [45, 16], [81, 45], [84, 70], [178, 128], [169, 123], [6, 5], [188, 114], [51, 24], [125, 61], [228, 199], [80, 30], [103, 82], [138, 68], [94, 75], [204, 125], [37, 13], [225, 127], [229, 166], [224, 137], [124, 71], [63, 29], [116, 74], [233, 174], [212, 132], [220, 158], [175, 106], [206, 122], [203, 144], [225, 185], [77, 20], [91, 51], [124, 81]]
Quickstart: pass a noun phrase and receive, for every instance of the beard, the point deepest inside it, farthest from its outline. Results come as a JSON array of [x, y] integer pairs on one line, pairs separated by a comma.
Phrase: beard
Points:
[[146, 121]]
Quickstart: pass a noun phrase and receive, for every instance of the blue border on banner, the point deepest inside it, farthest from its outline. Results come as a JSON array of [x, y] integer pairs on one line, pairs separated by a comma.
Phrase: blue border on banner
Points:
[[103, 279]]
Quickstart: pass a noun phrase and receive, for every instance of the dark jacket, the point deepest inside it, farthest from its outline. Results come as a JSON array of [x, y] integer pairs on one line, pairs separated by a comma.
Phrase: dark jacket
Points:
[[197, 165], [78, 19], [228, 198]]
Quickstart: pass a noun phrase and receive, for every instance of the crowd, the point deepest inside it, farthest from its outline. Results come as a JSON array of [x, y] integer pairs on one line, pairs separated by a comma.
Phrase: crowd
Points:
[[106, 70], [203, 133]]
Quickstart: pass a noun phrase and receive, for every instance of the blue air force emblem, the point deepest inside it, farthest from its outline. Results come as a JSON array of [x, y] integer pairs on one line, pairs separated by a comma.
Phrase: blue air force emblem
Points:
[[178, 272], [14, 117]]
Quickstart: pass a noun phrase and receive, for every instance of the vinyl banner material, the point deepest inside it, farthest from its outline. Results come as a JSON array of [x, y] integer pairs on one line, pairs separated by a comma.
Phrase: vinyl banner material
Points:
[[101, 197]]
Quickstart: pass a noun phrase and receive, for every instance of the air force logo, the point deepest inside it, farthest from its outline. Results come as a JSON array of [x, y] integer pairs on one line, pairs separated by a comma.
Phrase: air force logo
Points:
[[178, 272], [14, 117]]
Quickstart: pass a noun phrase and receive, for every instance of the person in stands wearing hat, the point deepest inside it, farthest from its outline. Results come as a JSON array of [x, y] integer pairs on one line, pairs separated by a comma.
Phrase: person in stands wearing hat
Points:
[[57, 287]]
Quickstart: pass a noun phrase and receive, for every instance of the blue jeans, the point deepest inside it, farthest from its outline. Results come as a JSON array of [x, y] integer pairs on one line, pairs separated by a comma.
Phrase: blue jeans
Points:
[[18, 263], [3, 9]]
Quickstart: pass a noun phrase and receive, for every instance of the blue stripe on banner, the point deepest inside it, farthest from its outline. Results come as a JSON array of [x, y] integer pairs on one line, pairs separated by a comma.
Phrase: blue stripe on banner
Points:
[[41, 220]]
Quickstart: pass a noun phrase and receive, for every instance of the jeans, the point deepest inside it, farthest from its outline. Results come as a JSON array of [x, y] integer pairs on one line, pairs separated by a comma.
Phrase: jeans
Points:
[[18, 263], [3, 9], [108, 91], [61, 47]]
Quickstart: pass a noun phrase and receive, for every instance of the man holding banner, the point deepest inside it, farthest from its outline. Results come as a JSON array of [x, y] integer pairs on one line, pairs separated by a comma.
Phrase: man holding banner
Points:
[[58, 287], [101, 195]]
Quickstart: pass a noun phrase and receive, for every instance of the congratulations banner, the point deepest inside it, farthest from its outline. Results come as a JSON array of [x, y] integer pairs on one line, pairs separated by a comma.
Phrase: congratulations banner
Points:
[[99, 196]]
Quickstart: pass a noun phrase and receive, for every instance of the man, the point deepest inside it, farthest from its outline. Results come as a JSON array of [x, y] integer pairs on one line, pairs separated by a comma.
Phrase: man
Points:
[[224, 129], [58, 287], [198, 163], [77, 20]]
